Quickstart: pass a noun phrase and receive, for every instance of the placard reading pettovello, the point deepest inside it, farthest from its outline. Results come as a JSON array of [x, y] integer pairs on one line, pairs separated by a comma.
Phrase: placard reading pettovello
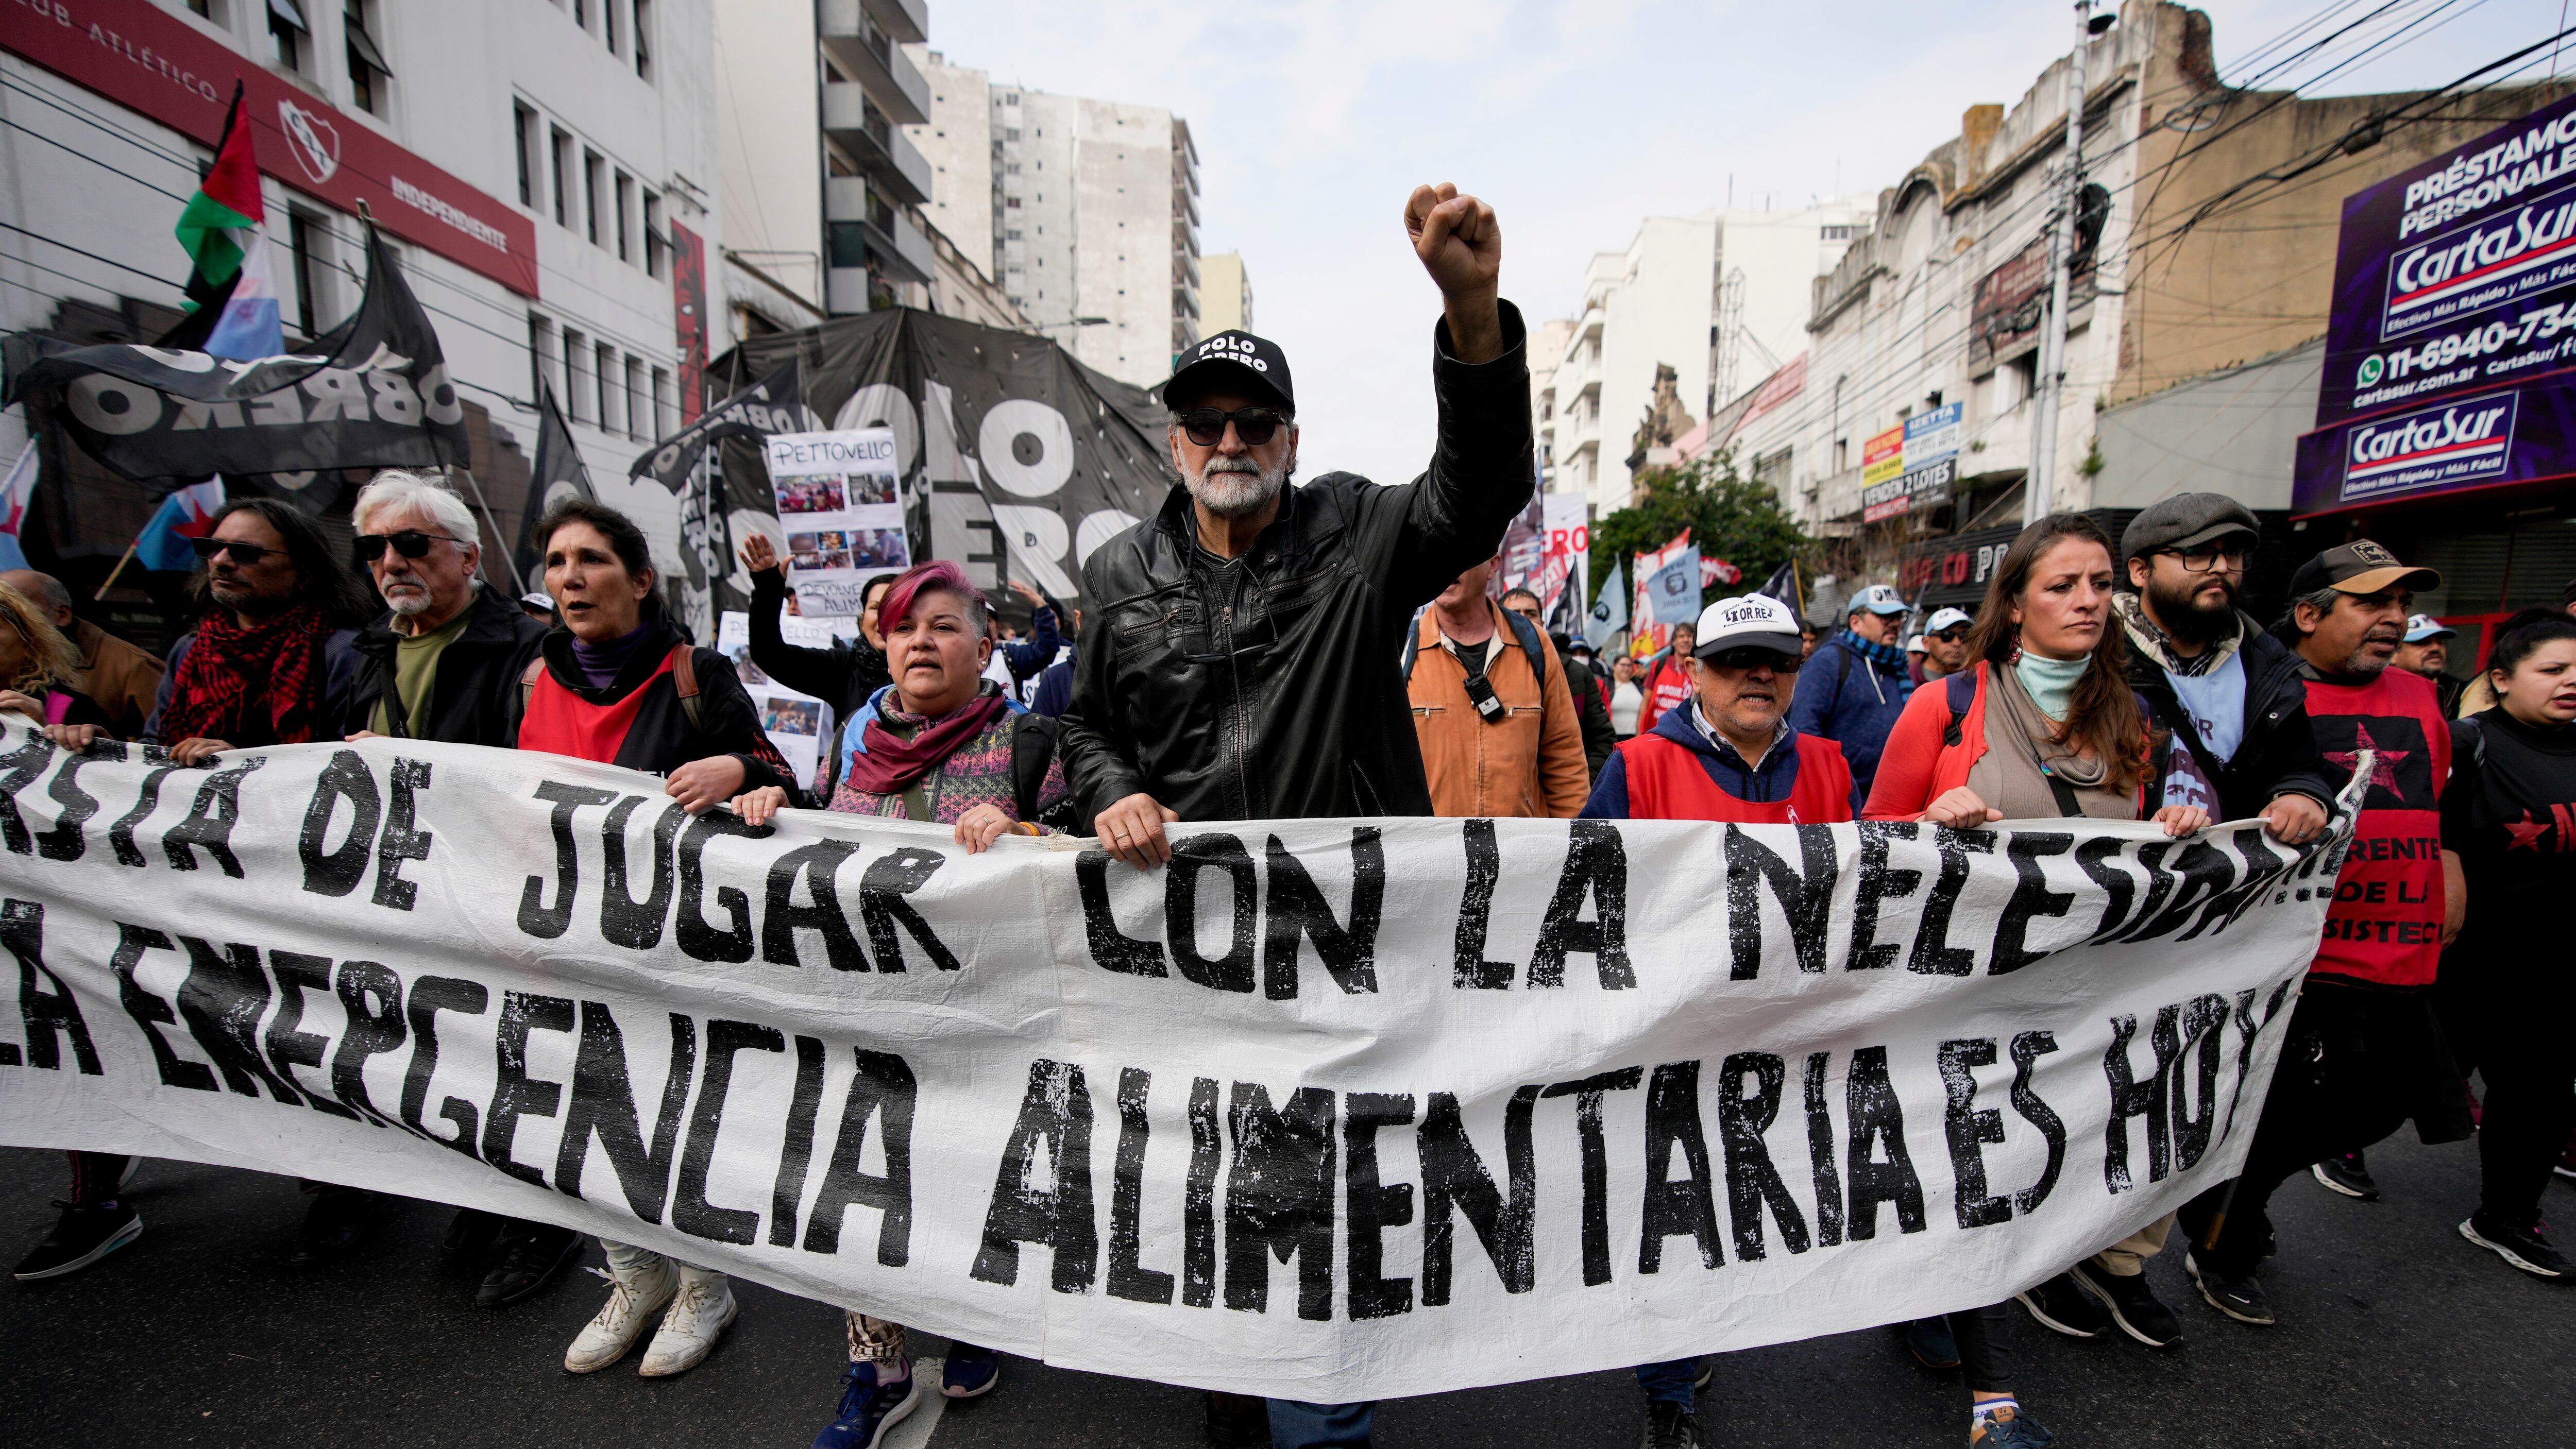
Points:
[[1324, 1109], [841, 502]]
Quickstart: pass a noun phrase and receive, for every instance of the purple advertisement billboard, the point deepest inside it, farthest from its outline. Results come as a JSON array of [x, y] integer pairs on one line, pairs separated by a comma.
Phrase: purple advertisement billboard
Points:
[[2451, 350]]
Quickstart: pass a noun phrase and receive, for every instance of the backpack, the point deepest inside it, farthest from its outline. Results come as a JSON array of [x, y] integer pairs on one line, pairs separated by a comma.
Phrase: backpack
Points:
[[1532, 644]]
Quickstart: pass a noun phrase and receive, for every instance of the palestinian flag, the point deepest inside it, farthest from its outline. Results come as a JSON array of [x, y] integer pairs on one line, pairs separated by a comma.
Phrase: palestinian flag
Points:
[[232, 295]]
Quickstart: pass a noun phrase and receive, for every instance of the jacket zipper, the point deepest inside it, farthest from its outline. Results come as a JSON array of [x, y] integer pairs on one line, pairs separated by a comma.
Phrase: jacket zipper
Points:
[[1234, 675]]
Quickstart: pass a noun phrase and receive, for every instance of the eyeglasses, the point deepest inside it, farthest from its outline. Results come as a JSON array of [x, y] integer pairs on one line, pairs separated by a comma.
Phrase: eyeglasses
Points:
[[2211, 557], [1951, 635], [1752, 657], [247, 555], [1255, 426], [410, 543]]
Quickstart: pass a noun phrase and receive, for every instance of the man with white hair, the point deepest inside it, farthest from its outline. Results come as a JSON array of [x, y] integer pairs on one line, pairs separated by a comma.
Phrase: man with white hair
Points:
[[443, 663]]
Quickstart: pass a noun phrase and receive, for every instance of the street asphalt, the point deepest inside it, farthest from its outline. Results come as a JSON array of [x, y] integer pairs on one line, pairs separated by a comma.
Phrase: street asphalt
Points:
[[2393, 1331]]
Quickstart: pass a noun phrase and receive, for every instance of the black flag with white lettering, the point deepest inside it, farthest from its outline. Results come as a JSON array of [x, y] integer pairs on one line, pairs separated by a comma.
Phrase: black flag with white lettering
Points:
[[772, 405], [560, 474], [371, 393]]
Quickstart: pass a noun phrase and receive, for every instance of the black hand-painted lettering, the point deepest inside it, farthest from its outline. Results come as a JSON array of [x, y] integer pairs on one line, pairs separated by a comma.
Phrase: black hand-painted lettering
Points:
[[624, 920], [289, 1045], [337, 872], [2203, 875], [147, 798], [431, 995], [1752, 1181], [2031, 897], [1476, 912], [48, 1015], [696, 939], [1198, 1199], [1804, 895], [1932, 954], [2103, 859], [1128, 1277], [2195, 1113], [1688, 1204], [19, 769], [882, 888], [1374, 1207], [2027, 1048], [1456, 1183], [781, 918], [1279, 1197], [1586, 1093], [1873, 1115], [883, 1089], [222, 1001], [1192, 858], [2247, 1030], [210, 822], [1056, 1112], [2133, 1098], [514, 1093], [1820, 1149], [796, 1150], [603, 1105], [1295, 909], [150, 1012], [66, 840], [1596, 865], [536, 918], [402, 838], [1968, 1127], [371, 997], [1875, 885], [691, 1213], [1111, 948]]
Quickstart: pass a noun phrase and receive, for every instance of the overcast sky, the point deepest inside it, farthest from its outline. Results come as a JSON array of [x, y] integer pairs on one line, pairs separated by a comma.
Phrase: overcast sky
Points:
[[1575, 119]]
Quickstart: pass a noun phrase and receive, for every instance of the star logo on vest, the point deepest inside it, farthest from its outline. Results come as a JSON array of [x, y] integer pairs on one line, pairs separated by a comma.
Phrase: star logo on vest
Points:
[[2526, 833], [2383, 769]]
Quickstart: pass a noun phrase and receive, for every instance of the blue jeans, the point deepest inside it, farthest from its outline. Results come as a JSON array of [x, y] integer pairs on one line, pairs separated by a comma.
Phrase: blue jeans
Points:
[[1295, 1425], [1670, 1382]]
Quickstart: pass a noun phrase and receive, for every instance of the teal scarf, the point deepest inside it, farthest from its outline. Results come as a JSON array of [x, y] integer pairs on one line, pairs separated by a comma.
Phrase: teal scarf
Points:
[[2051, 682]]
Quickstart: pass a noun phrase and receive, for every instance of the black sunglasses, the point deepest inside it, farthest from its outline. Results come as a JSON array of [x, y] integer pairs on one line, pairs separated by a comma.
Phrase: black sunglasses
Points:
[[247, 555], [410, 543], [1752, 656], [1953, 634], [1255, 426]]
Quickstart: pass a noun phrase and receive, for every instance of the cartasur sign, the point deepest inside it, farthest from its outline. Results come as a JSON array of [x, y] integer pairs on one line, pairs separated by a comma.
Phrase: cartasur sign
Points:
[[2451, 352]]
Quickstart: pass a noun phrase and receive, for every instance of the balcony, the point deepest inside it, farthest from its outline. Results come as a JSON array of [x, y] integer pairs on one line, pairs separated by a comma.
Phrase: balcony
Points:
[[907, 22], [867, 55], [874, 143], [895, 244]]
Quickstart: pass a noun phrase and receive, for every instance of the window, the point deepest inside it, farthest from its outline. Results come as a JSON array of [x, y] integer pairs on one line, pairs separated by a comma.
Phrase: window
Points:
[[581, 13], [543, 360], [1010, 133], [581, 391], [639, 402], [605, 374], [625, 200], [608, 23], [367, 69], [594, 191], [305, 242], [644, 39], [656, 250], [288, 35], [666, 405], [207, 9], [849, 245], [562, 145], [524, 126]]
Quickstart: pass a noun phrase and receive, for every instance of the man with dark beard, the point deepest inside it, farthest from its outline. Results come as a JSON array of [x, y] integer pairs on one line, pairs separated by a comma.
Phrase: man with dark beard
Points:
[[1243, 662]]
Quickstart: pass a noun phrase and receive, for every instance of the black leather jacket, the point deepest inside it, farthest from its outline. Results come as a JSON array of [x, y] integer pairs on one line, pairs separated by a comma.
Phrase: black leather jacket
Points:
[[1269, 687]]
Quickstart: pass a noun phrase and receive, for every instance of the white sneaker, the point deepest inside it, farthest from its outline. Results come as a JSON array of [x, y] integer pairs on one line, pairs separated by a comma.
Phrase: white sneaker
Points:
[[630, 1307], [699, 1315]]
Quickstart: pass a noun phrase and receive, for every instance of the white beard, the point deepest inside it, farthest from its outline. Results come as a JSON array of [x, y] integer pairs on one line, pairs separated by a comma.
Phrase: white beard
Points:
[[1230, 493]]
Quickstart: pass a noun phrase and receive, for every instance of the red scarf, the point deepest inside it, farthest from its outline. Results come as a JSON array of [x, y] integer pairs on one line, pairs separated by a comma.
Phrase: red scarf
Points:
[[888, 764], [256, 686]]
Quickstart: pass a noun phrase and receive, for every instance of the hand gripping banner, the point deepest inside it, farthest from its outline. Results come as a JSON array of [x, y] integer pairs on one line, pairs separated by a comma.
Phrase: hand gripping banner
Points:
[[1326, 1109]]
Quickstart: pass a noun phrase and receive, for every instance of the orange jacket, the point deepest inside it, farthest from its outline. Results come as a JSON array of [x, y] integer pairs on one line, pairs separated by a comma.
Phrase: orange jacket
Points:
[[1920, 765], [1531, 763]]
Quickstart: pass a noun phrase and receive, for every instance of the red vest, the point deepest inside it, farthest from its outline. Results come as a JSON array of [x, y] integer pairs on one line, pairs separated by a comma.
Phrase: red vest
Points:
[[561, 722], [1666, 781], [2385, 926], [1667, 688]]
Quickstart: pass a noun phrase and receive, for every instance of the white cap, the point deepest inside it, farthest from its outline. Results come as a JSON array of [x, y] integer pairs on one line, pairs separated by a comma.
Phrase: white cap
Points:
[[1915, 645], [538, 598], [1877, 599], [2420, 627], [1945, 618], [1754, 619]]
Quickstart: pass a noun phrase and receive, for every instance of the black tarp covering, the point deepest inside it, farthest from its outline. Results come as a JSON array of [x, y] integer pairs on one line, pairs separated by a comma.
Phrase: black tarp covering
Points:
[[1017, 460]]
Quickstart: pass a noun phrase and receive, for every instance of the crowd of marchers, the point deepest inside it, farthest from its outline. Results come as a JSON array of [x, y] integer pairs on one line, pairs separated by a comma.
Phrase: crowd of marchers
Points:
[[1261, 651]]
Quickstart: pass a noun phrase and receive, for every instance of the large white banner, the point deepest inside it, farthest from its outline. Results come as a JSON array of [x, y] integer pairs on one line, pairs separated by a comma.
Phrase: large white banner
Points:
[[1327, 1109]]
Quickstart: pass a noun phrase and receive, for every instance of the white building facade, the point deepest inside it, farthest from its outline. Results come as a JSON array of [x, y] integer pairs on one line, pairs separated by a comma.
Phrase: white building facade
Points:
[[546, 171], [1090, 209]]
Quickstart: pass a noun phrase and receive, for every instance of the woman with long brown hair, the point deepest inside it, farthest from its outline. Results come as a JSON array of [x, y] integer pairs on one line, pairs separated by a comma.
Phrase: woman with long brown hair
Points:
[[2041, 724]]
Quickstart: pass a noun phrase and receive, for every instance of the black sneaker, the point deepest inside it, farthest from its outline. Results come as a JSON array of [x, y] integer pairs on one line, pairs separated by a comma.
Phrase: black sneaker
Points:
[[2239, 1298], [2347, 1175], [81, 1236], [338, 1221], [471, 1236], [530, 1259], [1670, 1426], [1931, 1342], [2008, 1429], [2062, 1307], [2524, 1248], [1237, 1421], [2134, 1306]]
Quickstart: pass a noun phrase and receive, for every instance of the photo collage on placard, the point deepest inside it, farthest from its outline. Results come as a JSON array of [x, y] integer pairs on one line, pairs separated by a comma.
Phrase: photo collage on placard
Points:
[[840, 502]]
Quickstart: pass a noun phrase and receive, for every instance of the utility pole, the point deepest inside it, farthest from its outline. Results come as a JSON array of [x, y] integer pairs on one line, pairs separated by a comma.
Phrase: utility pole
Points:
[[2048, 397]]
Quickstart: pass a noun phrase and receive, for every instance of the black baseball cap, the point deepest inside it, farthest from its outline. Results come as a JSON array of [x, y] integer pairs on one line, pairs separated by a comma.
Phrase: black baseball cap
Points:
[[1232, 360]]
